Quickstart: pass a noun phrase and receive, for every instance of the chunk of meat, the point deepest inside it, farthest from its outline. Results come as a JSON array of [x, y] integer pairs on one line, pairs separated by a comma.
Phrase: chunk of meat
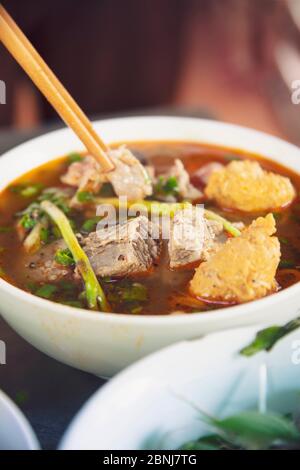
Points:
[[244, 268], [85, 175], [42, 267], [244, 185], [123, 249], [201, 176], [192, 237], [129, 178], [185, 189]]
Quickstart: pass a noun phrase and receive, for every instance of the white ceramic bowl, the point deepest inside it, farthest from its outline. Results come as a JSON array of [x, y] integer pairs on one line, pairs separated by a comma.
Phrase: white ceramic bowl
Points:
[[15, 431], [154, 403], [105, 343]]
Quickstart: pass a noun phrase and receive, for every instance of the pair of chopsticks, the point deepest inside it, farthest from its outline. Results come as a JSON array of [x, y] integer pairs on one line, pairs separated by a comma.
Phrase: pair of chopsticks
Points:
[[39, 72]]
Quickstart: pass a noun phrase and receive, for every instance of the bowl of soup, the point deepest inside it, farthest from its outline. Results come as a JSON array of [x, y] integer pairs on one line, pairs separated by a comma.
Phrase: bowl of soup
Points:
[[196, 230]]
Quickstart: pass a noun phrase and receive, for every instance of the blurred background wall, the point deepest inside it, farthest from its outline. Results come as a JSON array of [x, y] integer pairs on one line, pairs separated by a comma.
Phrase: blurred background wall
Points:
[[233, 58]]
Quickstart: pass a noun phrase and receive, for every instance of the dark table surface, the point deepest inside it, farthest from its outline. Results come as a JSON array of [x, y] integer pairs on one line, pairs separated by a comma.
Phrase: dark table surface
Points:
[[49, 393]]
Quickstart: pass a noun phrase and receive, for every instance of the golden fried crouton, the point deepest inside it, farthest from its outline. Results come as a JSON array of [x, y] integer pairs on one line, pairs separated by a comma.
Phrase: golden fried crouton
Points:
[[244, 185], [244, 268]]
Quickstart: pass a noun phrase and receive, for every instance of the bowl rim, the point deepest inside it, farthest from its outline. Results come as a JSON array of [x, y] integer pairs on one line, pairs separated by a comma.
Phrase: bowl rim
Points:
[[160, 320]]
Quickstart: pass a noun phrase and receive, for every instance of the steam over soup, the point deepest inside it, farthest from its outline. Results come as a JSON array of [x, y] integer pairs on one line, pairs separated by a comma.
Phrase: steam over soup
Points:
[[175, 228]]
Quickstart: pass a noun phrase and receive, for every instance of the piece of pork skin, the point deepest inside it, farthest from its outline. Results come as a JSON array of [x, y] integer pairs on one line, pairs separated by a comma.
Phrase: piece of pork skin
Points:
[[243, 268]]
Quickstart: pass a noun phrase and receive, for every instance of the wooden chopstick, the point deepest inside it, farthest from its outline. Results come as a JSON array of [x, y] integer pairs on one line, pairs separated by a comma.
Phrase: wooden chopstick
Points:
[[30, 60]]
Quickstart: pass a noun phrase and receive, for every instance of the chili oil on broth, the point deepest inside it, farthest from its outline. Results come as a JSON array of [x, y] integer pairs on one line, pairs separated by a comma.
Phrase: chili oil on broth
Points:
[[167, 289]]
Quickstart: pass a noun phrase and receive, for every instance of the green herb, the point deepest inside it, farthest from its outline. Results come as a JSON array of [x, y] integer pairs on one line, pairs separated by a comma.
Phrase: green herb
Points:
[[27, 190], [37, 236], [166, 187], [5, 229], [58, 196], [90, 225], [30, 216], [31, 286], [44, 235], [64, 257], [265, 339], [28, 222], [74, 157], [254, 430], [94, 292], [286, 264], [247, 430], [46, 291], [84, 196], [135, 292]]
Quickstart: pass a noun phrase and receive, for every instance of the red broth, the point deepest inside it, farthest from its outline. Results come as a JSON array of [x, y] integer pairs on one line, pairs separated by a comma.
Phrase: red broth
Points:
[[166, 289]]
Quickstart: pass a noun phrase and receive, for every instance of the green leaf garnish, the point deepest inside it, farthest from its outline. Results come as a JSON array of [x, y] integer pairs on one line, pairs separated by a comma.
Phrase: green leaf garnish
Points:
[[28, 222], [135, 292], [254, 430], [58, 196], [46, 291], [265, 339], [166, 186], [44, 235], [74, 157], [64, 257], [90, 225], [84, 196], [27, 190]]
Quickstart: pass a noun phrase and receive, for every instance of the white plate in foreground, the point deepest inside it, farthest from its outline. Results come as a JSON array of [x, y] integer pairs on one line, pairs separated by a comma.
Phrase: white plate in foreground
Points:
[[149, 405]]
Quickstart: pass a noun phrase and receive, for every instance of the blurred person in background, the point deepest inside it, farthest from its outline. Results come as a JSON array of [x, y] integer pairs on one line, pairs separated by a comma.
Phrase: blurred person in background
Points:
[[122, 55]]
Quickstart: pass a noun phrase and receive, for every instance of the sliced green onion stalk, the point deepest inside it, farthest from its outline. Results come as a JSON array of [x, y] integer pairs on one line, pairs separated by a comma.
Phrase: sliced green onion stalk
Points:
[[226, 224], [155, 207], [33, 241], [94, 292], [167, 209]]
